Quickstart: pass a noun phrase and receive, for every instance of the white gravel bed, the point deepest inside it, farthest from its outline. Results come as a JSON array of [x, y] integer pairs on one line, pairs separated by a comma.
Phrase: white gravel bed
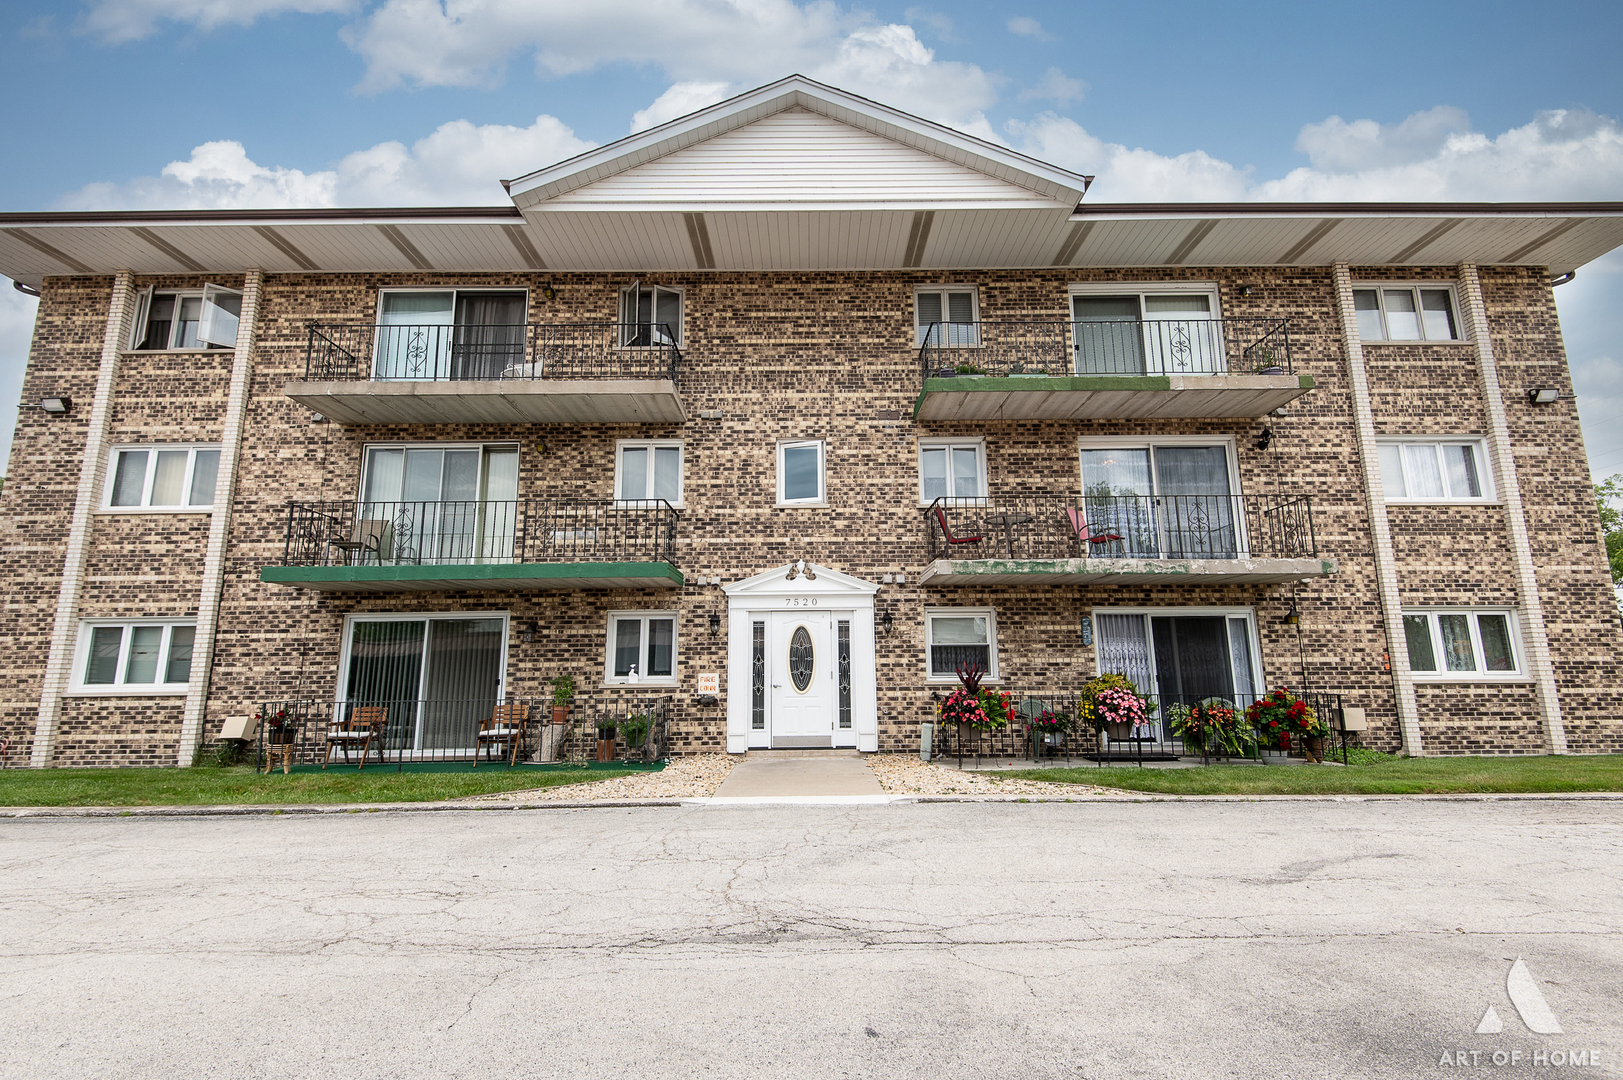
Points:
[[903, 774], [693, 776]]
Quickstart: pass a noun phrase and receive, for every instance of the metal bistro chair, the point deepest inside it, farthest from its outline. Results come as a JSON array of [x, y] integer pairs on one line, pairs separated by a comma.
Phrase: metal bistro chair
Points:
[[946, 530], [357, 731], [504, 727], [1091, 535], [371, 536]]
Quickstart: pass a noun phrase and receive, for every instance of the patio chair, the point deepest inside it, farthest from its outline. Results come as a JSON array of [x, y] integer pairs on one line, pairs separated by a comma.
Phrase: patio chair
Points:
[[371, 535], [363, 726], [946, 530], [1091, 535], [506, 727]]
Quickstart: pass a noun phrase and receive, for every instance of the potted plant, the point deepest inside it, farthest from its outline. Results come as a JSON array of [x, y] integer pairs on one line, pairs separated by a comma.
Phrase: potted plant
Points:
[[278, 726], [1111, 703], [1213, 726], [1266, 365], [563, 692], [634, 729], [969, 371], [605, 737], [973, 708], [1281, 715], [1050, 726]]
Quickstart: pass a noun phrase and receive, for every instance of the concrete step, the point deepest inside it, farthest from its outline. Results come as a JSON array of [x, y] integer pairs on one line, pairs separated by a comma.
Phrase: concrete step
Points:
[[794, 752]]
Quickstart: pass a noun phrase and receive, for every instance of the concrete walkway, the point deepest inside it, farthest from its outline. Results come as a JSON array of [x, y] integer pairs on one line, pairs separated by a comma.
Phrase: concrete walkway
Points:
[[829, 776]]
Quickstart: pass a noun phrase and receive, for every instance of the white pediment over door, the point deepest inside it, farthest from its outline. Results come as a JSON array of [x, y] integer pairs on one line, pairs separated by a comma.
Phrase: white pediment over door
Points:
[[799, 159], [777, 583]]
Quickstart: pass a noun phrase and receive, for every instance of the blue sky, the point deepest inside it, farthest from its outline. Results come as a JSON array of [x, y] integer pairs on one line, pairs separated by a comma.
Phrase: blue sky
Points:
[[170, 103]]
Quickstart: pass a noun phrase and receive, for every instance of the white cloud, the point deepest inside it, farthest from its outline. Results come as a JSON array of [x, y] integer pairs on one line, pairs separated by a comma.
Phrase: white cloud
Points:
[[1128, 175], [16, 331], [459, 163], [1055, 86], [1339, 146], [116, 21], [1026, 26], [941, 23], [679, 100]]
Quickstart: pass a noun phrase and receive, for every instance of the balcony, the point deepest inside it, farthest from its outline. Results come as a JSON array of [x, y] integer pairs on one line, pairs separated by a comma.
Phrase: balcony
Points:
[[521, 545], [1122, 540], [547, 373], [1151, 369]]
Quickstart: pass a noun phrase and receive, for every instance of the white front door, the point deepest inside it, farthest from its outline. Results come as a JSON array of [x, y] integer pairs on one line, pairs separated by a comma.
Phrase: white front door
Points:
[[802, 670]]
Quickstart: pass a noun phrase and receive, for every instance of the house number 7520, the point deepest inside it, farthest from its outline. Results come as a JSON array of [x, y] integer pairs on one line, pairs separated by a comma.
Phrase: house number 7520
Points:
[[801, 601]]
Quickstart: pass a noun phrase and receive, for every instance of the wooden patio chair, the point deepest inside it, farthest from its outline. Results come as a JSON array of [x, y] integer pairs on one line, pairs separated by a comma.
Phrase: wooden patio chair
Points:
[[358, 731], [505, 726], [946, 530], [1091, 536]]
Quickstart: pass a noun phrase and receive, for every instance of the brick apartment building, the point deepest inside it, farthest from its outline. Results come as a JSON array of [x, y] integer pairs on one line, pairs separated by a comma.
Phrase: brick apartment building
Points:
[[819, 399]]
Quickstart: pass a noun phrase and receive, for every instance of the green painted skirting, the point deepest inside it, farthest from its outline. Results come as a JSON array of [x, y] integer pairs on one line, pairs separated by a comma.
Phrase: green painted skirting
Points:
[[497, 575]]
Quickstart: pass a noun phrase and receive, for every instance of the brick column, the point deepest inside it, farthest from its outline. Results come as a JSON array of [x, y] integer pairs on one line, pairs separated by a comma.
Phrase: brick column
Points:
[[208, 601], [1534, 637], [92, 472], [1386, 570]]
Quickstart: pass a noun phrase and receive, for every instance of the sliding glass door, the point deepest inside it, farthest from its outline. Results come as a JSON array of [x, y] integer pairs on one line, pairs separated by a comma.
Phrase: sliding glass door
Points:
[[435, 676], [1183, 658], [433, 504], [1167, 501], [448, 335]]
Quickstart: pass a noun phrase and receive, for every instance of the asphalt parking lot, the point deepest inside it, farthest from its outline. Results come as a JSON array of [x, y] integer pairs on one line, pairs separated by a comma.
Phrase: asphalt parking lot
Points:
[[1356, 938]]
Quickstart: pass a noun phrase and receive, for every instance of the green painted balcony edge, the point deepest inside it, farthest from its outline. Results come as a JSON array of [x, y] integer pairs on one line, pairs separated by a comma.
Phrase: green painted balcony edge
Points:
[[483, 577]]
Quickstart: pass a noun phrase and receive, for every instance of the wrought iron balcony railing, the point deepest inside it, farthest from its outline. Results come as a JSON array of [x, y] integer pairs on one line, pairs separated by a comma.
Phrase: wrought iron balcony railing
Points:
[[429, 533], [1122, 526], [1122, 347], [455, 353]]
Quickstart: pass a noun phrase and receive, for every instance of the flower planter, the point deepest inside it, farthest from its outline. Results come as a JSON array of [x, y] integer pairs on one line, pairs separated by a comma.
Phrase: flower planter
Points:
[[1313, 747], [1121, 731], [605, 747], [560, 714]]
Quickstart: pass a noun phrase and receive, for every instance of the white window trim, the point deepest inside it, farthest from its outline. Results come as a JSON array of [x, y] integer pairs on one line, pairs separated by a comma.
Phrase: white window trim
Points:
[[1208, 289], [621, 445], [822, 473], [106, 506], [979, 445], [990, 614], [1138, 442], [454, 290], [482, 447], [681, 319], [974, 292], [673, 679], [77, 687], [1519, 675], [417, 616], [1490, 490], [138, 329], [1246, 613], [1415, 287]]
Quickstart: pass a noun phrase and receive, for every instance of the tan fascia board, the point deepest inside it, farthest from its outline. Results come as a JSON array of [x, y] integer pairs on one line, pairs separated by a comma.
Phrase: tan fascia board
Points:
[[1047, 180]]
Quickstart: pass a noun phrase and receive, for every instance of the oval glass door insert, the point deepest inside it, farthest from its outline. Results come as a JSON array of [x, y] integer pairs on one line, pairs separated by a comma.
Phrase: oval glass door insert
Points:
[[801, 659]]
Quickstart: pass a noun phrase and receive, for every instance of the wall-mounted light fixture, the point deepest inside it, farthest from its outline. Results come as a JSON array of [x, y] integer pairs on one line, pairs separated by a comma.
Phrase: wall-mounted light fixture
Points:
[[55, 404], [886, 621], [26, 290], [549, 292], [1245, 290], [715, 623], [1545, 395], [1293, 617], [1265, 440], [526, 632]]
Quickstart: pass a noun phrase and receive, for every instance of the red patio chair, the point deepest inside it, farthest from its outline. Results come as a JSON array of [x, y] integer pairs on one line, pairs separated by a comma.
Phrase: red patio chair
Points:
[[941, 519], [1091, 535]]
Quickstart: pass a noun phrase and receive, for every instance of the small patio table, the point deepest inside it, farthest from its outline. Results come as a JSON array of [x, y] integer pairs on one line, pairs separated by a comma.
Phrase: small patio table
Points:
[[1007, 522]]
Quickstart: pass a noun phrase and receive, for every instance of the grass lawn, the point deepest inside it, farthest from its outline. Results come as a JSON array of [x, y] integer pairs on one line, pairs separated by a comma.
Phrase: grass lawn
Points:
[[1374, 775], [241, 785]]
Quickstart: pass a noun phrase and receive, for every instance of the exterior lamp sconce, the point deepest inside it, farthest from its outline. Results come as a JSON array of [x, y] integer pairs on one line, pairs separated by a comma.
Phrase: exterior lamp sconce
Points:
[[1245, 291], [1265, 440], [1293, 617], [886, 621], [715, 623], [549, 292], [1546, 396], [526, 632], [56, 404]]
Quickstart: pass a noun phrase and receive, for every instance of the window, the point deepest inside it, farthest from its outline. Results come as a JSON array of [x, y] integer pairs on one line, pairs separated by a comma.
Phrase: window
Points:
[[1406, 314], [957, 637], [1434, 470], [1459, 644], [954, 470], [187, 320], [800, 473], [1149, 330], [952, 309], [449, 334], [162, 478], [1182, 656], [650, 315], [648, 470], [137, 657], [1167, 499], [439, 503], [432, 677], [641, 647]]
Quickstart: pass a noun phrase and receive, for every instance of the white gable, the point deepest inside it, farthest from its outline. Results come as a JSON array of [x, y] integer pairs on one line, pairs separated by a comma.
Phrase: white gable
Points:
[[799, 159], [778, 583]]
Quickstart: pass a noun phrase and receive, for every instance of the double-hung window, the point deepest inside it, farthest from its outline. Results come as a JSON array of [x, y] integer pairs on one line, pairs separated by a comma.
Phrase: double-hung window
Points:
[[641, 647], [960, 637], [801, 473], [1434, 470], [1406, 313], [205, 319], [1461, 644], [650, 315], [946, 315], [134, 657], [648, 469], [162, 478], [951, 469]]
